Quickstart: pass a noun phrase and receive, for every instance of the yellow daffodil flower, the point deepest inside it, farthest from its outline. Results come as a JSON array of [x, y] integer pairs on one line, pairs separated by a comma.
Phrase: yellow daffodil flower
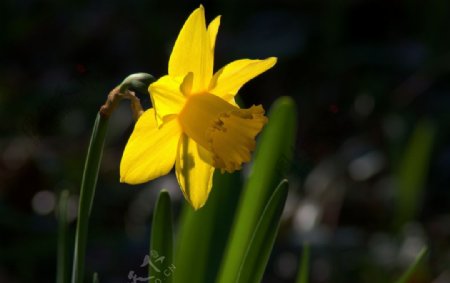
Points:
[[195, 122]]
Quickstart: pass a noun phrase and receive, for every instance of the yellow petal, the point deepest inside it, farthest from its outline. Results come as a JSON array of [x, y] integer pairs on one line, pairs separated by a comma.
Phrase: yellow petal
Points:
[[228, 80], [186, 85], [192, 52], [223, 129], [193, 172], [213, 28], [150, 151], [167, 98]]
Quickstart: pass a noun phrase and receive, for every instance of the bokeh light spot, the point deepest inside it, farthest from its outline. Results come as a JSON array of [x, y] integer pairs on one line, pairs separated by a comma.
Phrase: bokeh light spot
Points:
[[43, 202]]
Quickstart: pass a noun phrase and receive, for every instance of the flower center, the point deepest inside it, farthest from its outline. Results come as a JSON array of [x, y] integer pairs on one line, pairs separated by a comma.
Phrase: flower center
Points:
[[223, 129]]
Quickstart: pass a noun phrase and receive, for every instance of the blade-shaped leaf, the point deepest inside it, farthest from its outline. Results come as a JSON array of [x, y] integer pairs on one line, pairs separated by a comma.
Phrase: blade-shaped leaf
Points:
[[413, 171], [258, 251], [272, 159], [161, 240], [303, 272], [413, 267], [95, 278], [202, 235]]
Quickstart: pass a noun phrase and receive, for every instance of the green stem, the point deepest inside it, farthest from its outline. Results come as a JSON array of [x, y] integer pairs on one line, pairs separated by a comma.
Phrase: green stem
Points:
[[134, 82], [87, 193]]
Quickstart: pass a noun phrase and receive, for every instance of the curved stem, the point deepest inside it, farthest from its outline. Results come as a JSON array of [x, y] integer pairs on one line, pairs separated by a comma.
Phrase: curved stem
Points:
[[140, 82], [88, 184]]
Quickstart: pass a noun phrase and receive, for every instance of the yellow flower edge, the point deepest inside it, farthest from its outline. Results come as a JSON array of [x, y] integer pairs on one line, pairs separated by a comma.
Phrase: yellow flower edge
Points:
[[195, 123]]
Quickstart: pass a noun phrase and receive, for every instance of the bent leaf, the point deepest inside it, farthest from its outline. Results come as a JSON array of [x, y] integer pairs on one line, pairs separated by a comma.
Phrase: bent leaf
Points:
[[258, 252]]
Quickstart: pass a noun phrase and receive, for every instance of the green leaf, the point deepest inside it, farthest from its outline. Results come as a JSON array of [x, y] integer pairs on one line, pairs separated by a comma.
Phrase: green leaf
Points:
[[62, 262], [413, 170], [258, 252], [413, 267], [303, 272], [202, 234], [95, 278], [87, 192], [161, 240], [272, 159]]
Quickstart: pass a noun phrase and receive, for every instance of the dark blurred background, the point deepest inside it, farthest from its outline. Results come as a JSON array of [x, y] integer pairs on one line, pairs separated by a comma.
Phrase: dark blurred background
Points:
[[370, 179]]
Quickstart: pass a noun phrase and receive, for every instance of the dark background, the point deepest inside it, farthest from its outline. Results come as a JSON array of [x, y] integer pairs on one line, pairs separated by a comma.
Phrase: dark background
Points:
[[364, 75]]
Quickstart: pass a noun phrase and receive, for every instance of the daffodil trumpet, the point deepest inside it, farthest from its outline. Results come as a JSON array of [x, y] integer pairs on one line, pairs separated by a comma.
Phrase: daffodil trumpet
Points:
[[195, 123]]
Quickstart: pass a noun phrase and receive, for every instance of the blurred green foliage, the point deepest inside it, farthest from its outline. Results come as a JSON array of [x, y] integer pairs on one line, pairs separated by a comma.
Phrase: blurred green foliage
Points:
[[364, 74]]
